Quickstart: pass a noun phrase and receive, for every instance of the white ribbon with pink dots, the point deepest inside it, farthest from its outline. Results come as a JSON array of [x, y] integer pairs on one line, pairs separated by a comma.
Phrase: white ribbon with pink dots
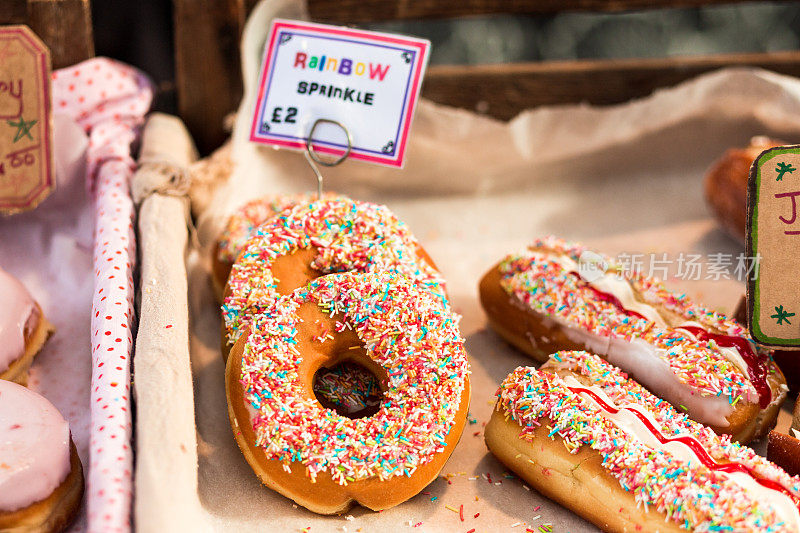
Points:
[[109, 101]]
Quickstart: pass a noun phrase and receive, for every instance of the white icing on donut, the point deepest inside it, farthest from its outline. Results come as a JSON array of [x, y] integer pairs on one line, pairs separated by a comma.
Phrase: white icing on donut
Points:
[[610, 283], [730, 353], [16, 306], [644, 363], [34, 447], [632, 425], [619, 287]]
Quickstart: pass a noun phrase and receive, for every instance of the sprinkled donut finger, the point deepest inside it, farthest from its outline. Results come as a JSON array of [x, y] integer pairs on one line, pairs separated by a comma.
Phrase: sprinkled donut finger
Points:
[[405, 335], [700, 361], [584, 434]]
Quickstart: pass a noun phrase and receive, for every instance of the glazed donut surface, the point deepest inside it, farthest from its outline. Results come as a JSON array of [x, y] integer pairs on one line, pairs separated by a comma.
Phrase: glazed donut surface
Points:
[[324, 461], [698, 360], [583, 433]]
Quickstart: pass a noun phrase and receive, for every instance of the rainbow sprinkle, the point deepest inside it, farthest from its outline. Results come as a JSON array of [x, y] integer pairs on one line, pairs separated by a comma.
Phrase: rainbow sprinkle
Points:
[[347, 235], [243, 222], [544, 286], [348, 387], [407, 330], [691, 494]]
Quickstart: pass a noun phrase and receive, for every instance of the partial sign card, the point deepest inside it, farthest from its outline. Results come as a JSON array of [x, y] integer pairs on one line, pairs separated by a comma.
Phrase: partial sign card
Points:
[[773, 221], [367, 81], [26, 161]]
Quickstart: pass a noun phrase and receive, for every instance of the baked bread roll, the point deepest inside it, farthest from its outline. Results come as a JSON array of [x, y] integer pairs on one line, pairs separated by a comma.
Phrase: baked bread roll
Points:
[[585, 435], [784, 451], [23, 329], [41, 479], [725, 185], [325, 461], [699, 360]]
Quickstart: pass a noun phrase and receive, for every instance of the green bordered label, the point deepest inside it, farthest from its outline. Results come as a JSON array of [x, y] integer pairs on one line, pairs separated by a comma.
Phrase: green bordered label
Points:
[[773, 237]]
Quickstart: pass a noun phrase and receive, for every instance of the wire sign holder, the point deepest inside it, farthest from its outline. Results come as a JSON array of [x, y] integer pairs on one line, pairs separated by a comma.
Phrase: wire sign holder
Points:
[[313, 158]]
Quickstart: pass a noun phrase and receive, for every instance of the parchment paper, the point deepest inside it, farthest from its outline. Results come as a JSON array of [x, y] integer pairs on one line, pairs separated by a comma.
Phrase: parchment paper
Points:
[[622, 179]]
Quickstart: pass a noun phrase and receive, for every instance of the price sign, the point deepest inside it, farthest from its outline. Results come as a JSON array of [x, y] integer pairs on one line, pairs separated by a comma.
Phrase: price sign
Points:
[[773, 222], [367, 81], [26, 162]]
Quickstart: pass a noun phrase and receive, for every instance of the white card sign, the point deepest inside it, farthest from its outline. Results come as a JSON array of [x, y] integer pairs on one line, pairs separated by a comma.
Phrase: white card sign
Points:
[[367, 81]]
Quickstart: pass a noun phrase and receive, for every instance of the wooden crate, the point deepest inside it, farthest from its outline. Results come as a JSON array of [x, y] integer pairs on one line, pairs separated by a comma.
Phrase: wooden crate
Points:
[[209, 86], [65, 26]]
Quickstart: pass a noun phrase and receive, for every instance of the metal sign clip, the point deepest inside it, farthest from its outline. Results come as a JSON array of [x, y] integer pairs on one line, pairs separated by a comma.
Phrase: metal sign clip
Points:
[[312, 157]]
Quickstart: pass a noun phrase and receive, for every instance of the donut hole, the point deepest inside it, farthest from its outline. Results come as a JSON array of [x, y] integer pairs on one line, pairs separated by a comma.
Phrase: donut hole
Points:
[[350, 389]]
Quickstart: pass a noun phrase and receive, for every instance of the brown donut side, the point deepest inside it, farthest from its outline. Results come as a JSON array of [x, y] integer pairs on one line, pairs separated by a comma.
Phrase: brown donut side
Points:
[[577, 481], [784, 451], [35, 338], [56, 512], [725, 185], [537, 336], [220, 270], [293, 271], [325, 496]]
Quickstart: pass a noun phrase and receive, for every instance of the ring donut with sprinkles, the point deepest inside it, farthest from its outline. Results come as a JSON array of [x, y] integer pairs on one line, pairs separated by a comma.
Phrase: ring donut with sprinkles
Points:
[[241, 226], [330, 235], [324, 461], [559, 296], [585, 435]]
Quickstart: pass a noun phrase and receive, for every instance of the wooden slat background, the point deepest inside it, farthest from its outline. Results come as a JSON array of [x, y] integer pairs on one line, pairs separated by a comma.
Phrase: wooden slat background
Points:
[[65, 26], [13, 11], [355, 11], [208, 78], [504, 90]]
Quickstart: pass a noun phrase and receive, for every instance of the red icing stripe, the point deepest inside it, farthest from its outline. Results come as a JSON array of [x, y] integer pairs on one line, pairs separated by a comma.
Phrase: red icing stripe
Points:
[[608, 298], [756, 367], [693, 444]]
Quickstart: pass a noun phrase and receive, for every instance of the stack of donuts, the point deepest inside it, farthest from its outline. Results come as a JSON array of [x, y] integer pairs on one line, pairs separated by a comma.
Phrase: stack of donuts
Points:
[[653, 451], [329, 294], [41, 478]]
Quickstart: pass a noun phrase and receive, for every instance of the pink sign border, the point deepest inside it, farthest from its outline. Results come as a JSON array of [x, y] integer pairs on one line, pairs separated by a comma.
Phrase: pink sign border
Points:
[[408, 112]]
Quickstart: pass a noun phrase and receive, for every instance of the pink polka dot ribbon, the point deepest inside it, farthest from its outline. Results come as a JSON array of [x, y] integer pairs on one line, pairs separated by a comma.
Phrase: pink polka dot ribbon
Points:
[[109, 100]]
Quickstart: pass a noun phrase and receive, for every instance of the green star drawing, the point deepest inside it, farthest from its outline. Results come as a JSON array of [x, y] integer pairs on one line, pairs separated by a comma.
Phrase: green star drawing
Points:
[[23, 128], [781, 315], [782, 169]]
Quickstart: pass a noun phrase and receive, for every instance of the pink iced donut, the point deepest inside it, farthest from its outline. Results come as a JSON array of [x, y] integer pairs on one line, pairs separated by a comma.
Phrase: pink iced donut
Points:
[[23, 329], [41, 479]]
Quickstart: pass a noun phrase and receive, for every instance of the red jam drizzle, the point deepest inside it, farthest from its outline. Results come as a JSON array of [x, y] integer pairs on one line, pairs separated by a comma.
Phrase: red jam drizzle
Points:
[[692, 443], [608, 298], [756, 367]]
